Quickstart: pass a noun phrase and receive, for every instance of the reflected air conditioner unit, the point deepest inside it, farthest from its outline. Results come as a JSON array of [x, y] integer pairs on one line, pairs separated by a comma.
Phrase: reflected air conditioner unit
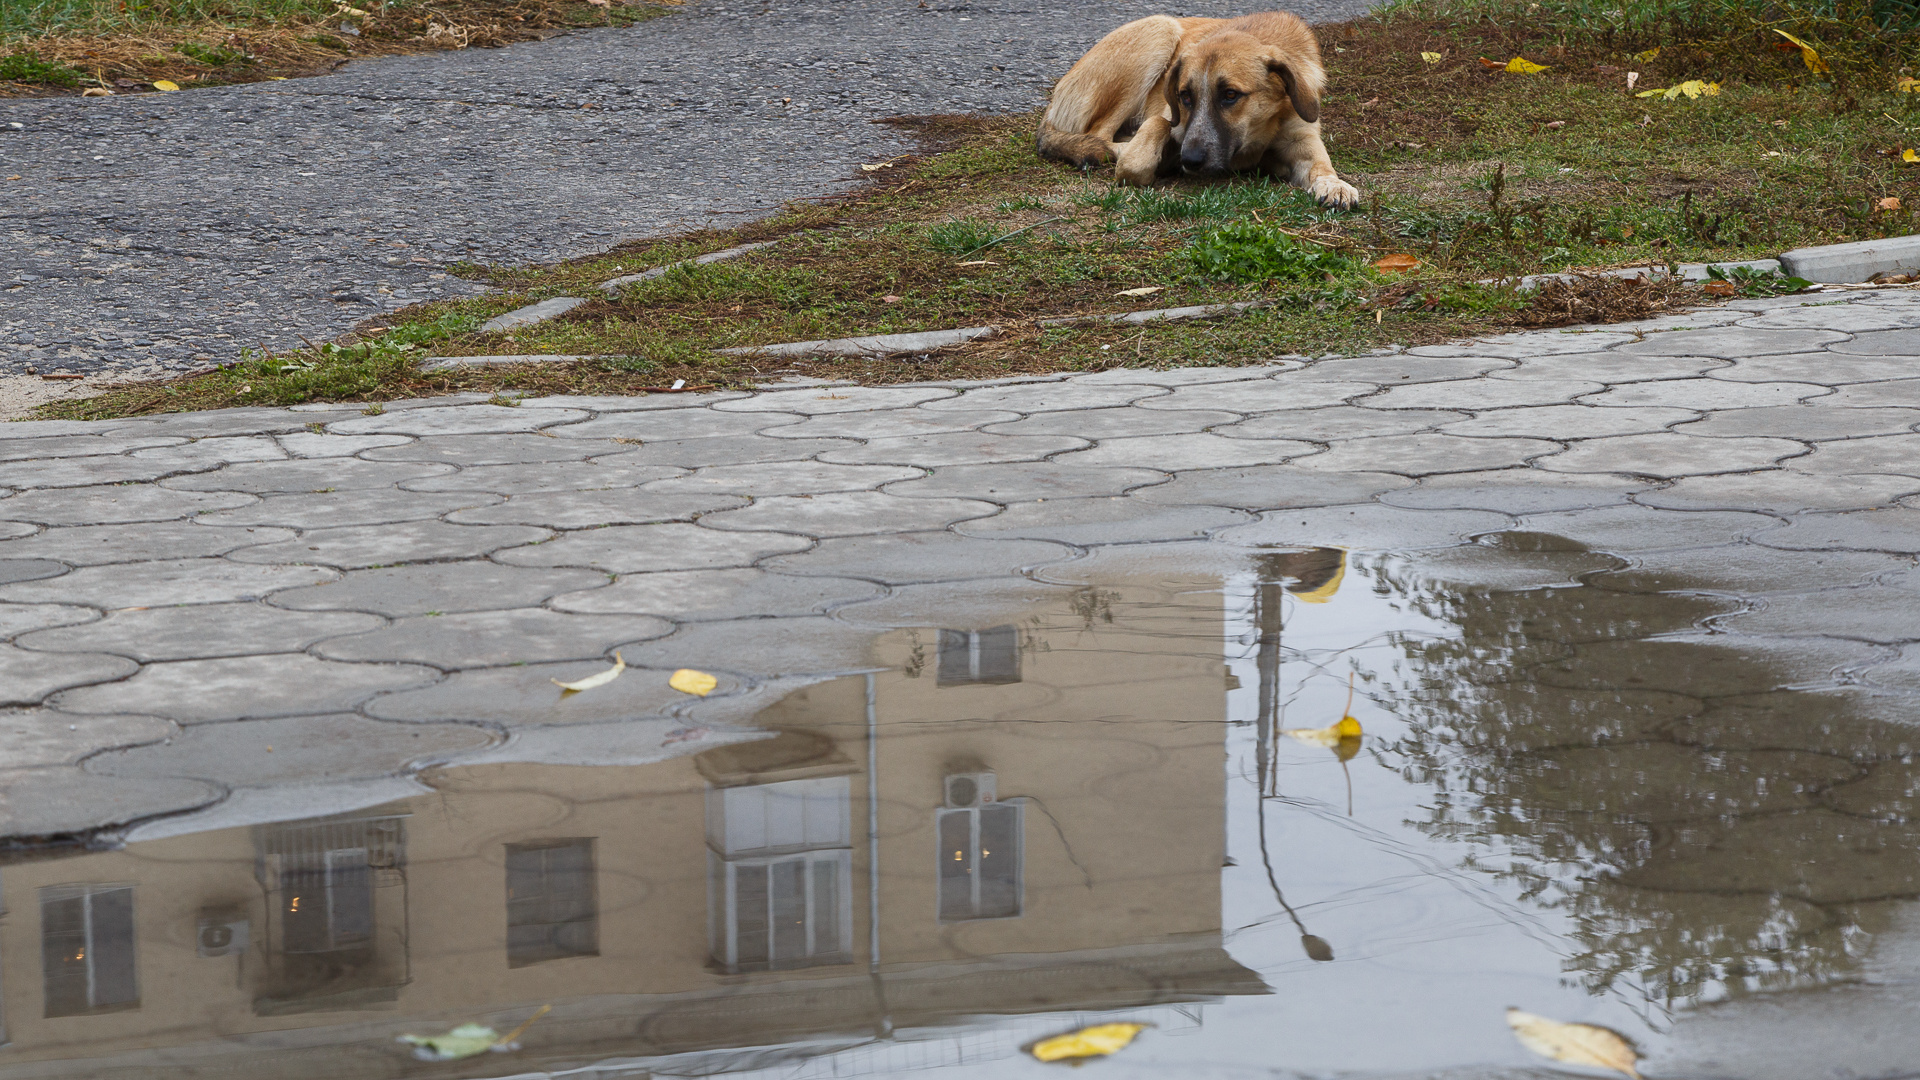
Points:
[[969, 789], [222, 933]]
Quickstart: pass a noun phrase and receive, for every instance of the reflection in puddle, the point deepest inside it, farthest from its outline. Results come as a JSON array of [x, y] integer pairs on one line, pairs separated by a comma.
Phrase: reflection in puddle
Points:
[[1085, 808]]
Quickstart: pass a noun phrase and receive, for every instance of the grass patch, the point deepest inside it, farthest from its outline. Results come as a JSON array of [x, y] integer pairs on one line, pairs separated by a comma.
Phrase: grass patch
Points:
[[63, 46], [1476, 173]]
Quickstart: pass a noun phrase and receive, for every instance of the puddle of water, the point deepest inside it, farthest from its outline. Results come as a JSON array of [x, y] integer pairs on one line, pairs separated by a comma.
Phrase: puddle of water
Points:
[[1102, 803]]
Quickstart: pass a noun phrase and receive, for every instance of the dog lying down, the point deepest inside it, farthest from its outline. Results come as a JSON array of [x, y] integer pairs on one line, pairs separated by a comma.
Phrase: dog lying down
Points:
[[1198, 96]]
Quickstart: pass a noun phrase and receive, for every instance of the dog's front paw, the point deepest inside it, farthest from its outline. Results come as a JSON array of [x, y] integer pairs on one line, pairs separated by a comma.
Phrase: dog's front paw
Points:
[[1335, 192], [1127, 175]]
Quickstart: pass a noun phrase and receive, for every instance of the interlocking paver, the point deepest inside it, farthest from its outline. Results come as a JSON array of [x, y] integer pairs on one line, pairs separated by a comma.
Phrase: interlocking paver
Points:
[[357, 546], [1263, 395], [580, 510], [1848, 318], [1203, 450], [77, 445], [631, 549], [1894, 529], [1059, 479], [907, 558], [493, 638], [1115, 519], [1335, 422], [212, 453], [1183, 376], [1609, 367], [25, 618], [1366, 526], [986, 604], [290, 750], [53, 801], [726, 450], [507, 449], [848, 513], [691, 595], [329, 509], [892, 423], [524, 696], [444, 587], [785, 478], [955, 448], [1669, 455], [815, 401], [635, 403], [1810, 422], [308, 475], [243, 421], [1753, 569], [1514, 491], [1424, 455], [1539, 343], [92, 545], [312, 444], [1731, 343], [108, 504], [603, 473], [1568, 422], [1115, 422], [1707, 393], [37, 737], [1627, 530], [26, 678], [183, 632], [202, 691], [1269, 487], [1896, 454], [1862, 613], [766, 647], [1825, 368], [1882, 343], [1903, 393], [1482, 394], [1782, 491], [457, 420], [665, 425], [1403, 369], [83, 471], [166, 581], [1050, 397], [12, 570]]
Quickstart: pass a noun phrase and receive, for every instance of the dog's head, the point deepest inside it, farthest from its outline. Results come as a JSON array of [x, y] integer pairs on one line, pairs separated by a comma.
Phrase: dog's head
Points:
[[1230, 94]]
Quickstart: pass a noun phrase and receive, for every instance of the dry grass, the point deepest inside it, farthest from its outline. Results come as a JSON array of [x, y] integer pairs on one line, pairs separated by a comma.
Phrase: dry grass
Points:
[[130, 58]]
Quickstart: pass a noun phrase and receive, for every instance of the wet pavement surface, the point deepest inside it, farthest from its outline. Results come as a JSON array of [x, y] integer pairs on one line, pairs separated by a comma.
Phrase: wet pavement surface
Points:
[[1024, 719], [154, 233]]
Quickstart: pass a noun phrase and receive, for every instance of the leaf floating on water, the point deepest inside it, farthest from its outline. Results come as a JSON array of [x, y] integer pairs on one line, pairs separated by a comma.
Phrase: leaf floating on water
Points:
[[1147, 291], [592, 681], [165, 84], [689, 681], [1520, 65], [465, 1041], [1575, 1044], [1097, 1041]]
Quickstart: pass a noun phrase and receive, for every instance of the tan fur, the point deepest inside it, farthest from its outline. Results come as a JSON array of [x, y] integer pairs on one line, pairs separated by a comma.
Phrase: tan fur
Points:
[[1203, 95]]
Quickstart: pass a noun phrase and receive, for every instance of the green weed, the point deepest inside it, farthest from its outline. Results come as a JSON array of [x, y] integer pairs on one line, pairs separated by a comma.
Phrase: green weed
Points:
[[28, 68], [1251, 252]]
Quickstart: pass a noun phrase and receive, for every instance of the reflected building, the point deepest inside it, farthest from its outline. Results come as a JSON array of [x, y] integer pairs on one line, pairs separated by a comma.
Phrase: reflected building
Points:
[[1016, 818]]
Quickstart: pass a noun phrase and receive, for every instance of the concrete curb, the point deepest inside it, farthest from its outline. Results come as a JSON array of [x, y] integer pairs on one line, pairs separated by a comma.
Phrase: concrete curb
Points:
[[1845, 264], [1172, 314], [879, 345], [1655, 271], [614, 286], [532, 313], [448, 363]]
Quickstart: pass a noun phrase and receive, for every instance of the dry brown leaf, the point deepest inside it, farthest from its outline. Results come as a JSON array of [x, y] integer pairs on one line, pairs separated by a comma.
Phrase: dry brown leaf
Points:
[[96, 91], [1719, 288], [1398, 263], [1575, 1044], [1146, 291], [1891, 202]]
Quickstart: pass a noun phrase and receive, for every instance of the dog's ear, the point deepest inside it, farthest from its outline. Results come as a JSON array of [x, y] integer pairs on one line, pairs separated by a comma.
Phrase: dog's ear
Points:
[[1306, 100], [1171, 83]]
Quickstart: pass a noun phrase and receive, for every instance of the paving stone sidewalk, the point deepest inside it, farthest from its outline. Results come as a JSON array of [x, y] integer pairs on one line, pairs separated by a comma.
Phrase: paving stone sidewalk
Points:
[[153, 233], [362, 592]]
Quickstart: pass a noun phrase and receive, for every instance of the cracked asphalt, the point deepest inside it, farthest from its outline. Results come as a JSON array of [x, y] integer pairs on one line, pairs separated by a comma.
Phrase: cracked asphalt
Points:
[[313, 576], [156, 233]]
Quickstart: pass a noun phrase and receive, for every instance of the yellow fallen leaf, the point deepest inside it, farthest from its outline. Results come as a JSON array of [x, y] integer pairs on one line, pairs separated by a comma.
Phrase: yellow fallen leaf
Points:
[[1809, 55], [1650, 54], [165, 84], [1096, 1041], [1520, 65], [1907, 84], [1430, 57], [96, 91], [1575, 1044], [876, 168], [1147, 291], [1692, 88], [277, 78], [592, 681], [689, 681], [1909, 157]]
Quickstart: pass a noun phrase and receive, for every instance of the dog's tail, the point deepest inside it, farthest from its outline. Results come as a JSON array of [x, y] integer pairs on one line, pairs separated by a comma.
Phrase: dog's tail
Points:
[[1074, 148]]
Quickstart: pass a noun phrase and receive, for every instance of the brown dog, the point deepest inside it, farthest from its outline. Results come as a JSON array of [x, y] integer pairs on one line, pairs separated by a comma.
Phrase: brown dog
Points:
[[1201, 96]]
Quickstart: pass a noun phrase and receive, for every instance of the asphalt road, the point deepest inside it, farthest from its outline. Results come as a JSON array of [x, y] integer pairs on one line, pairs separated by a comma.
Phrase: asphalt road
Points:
[[160, 232]]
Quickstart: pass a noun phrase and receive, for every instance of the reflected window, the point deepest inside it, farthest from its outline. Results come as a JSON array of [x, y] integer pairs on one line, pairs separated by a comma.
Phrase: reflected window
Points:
[[86, 949], [329, 903], [552, 909], [969, 657], [780, 866], [980, 862]]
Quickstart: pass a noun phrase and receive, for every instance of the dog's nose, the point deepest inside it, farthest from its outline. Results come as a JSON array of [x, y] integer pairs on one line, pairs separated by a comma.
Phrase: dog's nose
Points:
[[1192, 157]]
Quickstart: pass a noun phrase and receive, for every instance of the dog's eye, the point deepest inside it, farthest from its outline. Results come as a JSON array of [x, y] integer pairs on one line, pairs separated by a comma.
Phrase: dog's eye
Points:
[[1186, 98], [1228, 97]]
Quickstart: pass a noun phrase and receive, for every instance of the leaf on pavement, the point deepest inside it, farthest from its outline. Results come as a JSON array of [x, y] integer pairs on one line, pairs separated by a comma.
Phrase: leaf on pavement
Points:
[[1097, 1041], [1808, 54], [689, 681], [1398, 263], [1575, 1044], [592, 681], [1719, 288]]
